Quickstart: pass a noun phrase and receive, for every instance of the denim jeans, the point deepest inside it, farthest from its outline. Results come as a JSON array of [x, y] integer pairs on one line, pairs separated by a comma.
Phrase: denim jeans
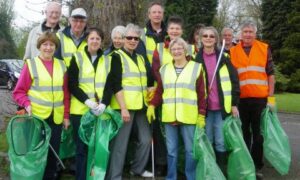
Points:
[[214, 129], [187, 133]]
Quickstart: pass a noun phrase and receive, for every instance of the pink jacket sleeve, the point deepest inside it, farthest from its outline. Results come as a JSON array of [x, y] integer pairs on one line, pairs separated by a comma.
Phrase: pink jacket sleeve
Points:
[[23, 85], [66, 97]]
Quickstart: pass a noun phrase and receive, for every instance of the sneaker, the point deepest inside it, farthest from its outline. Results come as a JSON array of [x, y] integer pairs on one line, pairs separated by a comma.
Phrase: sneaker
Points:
[[259, 175], [147, 174]]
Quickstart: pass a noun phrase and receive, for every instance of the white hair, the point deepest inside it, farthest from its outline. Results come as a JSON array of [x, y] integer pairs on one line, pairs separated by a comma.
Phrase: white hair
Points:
[[249, 23], [118, 29], [134, 28]]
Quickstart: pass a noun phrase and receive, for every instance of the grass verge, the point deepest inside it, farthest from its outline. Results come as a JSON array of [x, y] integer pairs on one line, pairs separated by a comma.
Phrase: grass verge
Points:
[[288, 102]]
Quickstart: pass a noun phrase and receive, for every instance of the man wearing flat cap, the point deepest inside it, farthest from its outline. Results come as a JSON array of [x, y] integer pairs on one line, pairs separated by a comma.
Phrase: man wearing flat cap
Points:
[[73, 37]]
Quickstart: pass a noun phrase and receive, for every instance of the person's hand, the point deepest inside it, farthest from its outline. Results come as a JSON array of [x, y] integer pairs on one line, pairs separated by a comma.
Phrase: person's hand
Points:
[[201, 121], [271, 103], [125, 115], [99, 109], [235, 112], [66, 123], [150, 113], [28, 110]]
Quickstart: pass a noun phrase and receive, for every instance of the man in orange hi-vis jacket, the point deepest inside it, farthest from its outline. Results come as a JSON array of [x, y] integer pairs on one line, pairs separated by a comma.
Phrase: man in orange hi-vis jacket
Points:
[[253, 61]]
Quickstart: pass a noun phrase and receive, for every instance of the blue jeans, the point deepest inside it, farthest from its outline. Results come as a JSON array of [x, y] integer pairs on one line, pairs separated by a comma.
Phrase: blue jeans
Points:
[[187, 133], [214, 129]]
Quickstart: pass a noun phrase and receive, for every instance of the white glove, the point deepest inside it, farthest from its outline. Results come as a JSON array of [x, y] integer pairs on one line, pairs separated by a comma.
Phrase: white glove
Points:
[[99, 110], [91, 104], [28, 110]]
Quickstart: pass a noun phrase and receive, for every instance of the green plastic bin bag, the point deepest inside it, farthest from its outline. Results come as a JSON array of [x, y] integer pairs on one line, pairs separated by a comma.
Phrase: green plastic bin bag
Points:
[[240, 164], [276, 143], [28, 139], [97, 132], [203, 152], [67, 144]]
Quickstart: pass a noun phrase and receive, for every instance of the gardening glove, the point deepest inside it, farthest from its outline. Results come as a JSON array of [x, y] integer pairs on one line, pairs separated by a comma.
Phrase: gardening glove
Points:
[[150, 94], [201, 121], [91, 104], [271, 103], [28, 110], [99, 110], [150, 113]]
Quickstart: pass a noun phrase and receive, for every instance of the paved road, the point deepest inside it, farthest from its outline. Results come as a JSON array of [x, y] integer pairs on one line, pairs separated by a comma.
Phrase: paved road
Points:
[[290, 122]]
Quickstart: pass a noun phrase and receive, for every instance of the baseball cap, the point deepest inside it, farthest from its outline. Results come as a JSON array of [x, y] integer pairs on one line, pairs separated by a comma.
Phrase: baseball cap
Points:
[[79, 12]]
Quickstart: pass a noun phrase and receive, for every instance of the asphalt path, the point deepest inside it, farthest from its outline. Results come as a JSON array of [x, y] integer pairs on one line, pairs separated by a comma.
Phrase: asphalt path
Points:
[[290, 123]]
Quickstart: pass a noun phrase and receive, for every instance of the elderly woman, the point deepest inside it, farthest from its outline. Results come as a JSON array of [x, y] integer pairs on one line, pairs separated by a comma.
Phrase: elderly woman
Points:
[[223, 90], [117, 37], [87, 83], [181, 92], [42, 89], [129, 79]]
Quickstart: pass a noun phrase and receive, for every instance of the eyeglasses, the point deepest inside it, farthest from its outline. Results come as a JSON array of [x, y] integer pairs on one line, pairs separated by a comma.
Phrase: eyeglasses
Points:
[[177, 49], [210, 36], [81, 21], [132, 37]]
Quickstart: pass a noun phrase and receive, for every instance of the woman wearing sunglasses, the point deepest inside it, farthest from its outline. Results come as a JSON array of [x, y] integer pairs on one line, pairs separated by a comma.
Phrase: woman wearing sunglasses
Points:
[[222, 90], [43, 90], [129, 78]]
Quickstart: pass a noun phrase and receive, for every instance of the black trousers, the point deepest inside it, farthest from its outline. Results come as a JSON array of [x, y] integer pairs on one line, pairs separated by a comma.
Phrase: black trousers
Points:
[[51, 167], [250, 112]]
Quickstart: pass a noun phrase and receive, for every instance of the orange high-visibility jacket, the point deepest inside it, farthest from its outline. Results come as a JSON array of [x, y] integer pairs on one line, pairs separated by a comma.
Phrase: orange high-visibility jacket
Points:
[[251, 69]]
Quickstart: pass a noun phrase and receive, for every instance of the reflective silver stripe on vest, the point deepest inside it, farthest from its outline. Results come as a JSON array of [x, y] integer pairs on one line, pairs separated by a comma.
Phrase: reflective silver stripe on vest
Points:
[[161, 52], [34, 72], [194, 73], [46, 88], [45, 103], [106, 61], [62, 44], [180, 100], [143, 36], [150, 51], [180, 85], [251, 68], [190, 50], [63, 66], [253, 81], [86, 80], [80, 61], [226, 78], [134, 88], [100, 85], [126, 65], [89, 94], [227, 93], [133, 74]]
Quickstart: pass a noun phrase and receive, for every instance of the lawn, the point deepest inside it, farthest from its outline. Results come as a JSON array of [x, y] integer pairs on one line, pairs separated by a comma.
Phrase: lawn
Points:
[[288, 102]]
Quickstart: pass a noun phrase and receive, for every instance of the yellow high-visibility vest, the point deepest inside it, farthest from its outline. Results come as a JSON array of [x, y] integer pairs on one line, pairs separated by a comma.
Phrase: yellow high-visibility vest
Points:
[[68, 48], [179, 93], [90, 82], [46, 93], [226, 87], [149, 44], [134, 82]]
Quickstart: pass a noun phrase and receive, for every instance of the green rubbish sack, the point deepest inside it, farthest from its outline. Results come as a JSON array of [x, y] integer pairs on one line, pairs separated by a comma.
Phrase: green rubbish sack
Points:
[[97, 132], [28, 139], [276, 143], [67, 144], [240, 163], [203, 152]]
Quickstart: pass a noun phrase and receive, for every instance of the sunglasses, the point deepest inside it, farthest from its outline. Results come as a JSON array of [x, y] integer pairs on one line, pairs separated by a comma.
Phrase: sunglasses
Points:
[[132, 37], [210, 36]]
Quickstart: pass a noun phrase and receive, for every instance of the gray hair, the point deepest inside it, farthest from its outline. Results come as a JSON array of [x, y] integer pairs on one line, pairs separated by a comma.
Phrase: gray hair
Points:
[[52, 3], [226, 29], [178, 41], [214, 30], [249, 23], [134, 28], [151, 4], [118, 29]]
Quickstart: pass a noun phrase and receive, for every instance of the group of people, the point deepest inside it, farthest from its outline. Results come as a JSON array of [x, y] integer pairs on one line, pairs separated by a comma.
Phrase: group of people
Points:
[[161, 85]]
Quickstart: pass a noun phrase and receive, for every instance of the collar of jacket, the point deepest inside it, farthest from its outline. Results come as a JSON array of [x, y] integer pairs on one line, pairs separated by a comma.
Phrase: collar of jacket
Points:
[[151, 32], [46, 28], [67, 32]]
